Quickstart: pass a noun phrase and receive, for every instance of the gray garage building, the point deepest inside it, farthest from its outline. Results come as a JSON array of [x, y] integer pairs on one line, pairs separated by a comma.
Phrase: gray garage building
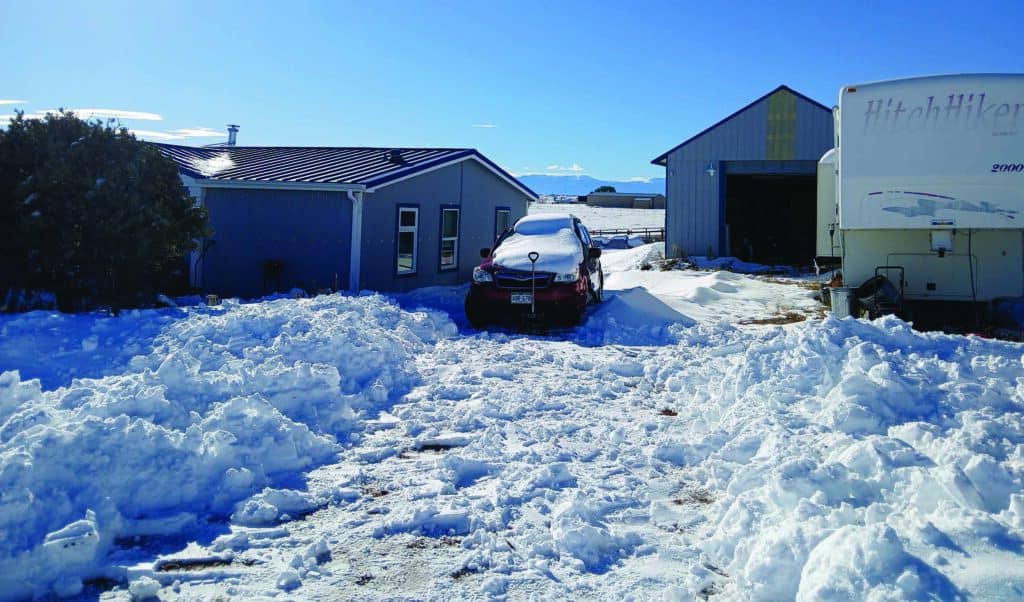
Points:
[[745, 186], [344, 217]]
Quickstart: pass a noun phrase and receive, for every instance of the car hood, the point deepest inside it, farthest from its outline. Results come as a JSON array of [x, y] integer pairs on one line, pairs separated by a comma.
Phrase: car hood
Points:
[[560, 252]]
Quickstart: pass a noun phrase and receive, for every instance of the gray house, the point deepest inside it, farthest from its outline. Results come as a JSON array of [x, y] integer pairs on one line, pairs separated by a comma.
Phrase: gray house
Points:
[[344, 218], [745, 186]]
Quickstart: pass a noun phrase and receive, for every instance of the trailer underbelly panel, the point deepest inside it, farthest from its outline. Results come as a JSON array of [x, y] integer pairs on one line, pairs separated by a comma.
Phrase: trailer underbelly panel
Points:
[[995, 258]]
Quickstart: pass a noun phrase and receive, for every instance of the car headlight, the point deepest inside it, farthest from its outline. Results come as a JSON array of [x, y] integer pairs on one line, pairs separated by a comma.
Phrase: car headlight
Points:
[[482, 275], [572, 276]]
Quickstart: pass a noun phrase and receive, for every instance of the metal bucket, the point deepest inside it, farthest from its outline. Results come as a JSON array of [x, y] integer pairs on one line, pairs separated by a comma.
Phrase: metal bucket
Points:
[[841, 301]]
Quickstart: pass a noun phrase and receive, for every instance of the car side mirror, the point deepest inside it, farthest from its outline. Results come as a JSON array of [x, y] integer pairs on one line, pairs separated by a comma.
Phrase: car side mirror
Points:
[[595, 252], [485, 252]]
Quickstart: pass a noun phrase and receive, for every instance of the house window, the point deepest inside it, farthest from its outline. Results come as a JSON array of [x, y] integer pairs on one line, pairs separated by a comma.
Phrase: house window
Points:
[[502, 220], [449, 238], [408, 222]]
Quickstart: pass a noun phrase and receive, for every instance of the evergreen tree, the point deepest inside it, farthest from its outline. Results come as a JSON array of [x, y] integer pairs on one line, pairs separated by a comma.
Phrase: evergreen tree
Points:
[[90, 213]]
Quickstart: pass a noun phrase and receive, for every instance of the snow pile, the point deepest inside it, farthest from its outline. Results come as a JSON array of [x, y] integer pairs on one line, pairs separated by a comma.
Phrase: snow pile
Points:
[[869, 563], [851, 456], [228, 401], [706, 296], [733, 264], [663, 450], [619, 241], [830, 459], [55, 347], [632, 259]]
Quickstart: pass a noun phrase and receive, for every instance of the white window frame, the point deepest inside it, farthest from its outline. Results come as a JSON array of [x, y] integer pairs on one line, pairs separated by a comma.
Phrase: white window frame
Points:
[[414, 229], [454, 265], [508, 221]]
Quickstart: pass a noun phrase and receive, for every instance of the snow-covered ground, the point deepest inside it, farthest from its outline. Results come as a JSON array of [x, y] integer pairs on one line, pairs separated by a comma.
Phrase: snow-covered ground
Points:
[[605, 218], [373, 447]]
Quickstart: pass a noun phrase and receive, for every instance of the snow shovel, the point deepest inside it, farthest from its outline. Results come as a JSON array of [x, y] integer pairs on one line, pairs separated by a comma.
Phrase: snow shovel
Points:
[[533, 257]]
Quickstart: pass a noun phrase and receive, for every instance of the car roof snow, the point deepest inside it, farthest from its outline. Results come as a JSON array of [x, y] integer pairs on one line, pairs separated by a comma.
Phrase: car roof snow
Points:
[[547, 223]]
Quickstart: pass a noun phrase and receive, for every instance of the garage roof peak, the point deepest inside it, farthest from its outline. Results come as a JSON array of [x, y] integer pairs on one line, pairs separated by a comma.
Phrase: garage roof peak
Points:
[[663, 158]]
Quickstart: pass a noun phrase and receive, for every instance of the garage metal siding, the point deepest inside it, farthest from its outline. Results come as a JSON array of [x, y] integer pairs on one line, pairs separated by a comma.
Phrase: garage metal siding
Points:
[[694, 209], [308, 231], [814, 131]]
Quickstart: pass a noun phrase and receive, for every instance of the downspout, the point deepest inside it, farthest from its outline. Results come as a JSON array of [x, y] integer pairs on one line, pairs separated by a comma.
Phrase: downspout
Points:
[[355, 251], [198, 193]]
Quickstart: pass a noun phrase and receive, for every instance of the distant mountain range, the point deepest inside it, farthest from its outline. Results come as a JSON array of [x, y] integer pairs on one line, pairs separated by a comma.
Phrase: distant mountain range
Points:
[[579, 185]]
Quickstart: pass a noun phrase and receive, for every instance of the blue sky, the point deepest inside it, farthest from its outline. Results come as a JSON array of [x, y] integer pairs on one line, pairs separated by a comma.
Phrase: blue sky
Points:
[[596, 88]]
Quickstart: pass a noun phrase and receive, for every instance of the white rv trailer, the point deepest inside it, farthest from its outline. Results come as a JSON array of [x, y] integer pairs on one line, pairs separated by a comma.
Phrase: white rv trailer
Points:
[[927, 180]]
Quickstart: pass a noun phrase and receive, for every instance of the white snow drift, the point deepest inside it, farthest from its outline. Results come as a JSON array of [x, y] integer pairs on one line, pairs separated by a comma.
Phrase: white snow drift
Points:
[[360, 450]]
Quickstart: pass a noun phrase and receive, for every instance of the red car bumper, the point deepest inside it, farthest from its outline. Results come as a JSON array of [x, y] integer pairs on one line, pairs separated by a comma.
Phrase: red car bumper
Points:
[[556, 297]]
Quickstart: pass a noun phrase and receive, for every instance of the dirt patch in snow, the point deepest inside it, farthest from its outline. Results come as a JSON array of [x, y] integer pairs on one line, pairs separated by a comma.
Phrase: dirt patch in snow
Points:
[[790, 317]]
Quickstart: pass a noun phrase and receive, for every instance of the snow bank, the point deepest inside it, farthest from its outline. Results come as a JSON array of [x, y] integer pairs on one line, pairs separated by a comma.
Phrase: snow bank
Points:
[[681, 456], [838, 447], [631, 259], [733, 264], [830, 459], [229, 400], [869, 563], [618, 241], [707, 297]]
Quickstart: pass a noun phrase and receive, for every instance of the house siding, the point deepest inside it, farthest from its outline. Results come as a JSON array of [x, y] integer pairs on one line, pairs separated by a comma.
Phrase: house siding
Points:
[[482, 194], [764, 131], [308, 231], [468, 186]]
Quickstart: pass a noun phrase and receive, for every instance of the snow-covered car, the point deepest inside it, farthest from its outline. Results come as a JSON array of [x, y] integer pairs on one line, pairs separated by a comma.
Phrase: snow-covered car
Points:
[[545, 266]]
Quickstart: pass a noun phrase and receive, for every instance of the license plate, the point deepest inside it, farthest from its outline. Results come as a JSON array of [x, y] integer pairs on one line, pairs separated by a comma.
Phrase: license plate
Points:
[[522, 298]]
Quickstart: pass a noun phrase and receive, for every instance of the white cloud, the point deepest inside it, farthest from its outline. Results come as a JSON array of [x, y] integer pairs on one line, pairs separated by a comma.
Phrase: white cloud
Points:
[[151, 135], [198, 132], [12, 102], [35, 115], [115, 114], [484, 125], [575, 169], [179, 134]]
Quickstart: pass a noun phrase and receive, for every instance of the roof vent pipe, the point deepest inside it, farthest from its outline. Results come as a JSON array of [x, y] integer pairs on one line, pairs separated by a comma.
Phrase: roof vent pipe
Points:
[[232, 134], [394, 156]]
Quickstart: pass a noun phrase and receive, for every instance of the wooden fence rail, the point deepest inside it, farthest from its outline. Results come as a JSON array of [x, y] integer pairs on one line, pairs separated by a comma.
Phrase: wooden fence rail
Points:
[[648, 235]]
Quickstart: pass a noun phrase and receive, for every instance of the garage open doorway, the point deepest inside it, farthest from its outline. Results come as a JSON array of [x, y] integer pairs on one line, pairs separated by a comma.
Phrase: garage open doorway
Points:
[[770, 218]]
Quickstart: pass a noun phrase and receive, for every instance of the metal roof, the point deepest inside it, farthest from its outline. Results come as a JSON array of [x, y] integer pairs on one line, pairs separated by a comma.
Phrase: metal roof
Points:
[[364, 166], [662, 158]]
